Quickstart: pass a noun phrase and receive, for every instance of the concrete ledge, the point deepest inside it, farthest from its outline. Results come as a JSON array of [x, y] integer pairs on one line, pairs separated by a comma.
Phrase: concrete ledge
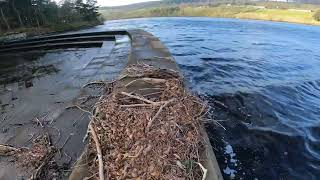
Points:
[[145, 48]]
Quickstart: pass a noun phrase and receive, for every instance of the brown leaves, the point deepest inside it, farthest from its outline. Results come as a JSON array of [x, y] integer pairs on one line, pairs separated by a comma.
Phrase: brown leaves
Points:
[[146, 141]]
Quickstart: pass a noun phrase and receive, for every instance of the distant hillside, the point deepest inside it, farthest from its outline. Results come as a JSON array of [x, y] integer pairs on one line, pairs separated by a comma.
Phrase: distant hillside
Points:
[[242, 1], [171, 2], [133, 7], [245, 9]]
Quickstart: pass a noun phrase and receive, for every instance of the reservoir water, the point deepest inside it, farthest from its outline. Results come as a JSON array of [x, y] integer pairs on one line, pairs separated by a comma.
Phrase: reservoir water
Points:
[[262, 82]]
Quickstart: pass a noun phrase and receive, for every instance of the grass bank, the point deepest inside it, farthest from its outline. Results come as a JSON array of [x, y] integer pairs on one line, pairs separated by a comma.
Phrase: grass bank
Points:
[[302, 14]]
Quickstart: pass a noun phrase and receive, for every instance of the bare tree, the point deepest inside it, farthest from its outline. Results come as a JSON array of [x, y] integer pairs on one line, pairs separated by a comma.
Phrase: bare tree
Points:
[[2, 2], [17, 12]]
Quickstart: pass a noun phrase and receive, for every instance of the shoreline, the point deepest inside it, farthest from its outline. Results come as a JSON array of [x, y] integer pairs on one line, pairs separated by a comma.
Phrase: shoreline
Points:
[[316, 25], [296, 16]]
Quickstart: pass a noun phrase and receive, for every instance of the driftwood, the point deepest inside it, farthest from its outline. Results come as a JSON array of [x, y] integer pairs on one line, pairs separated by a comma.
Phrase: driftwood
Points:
[[139, 98], [99, 152], [157, 114]]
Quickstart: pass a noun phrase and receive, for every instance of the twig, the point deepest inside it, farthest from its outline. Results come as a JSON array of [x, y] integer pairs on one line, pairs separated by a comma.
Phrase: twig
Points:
[[65, 142], [135, 105], [145, 89], [138, 153], [76, 106], [151, 94], [220, 103], [204, 170], [87, 98], [215, 122], [99, 153], [148, 80], [4, 118], [39, 122], [6, 150], [157, 114], [70, 158], [204, 107], [94, 82], [139, 98], [32, 135], [220, 125], [76, 120]]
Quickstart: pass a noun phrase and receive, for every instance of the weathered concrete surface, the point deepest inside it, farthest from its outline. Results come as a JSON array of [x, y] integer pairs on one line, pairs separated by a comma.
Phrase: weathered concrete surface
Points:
[[42, 85], [147, 49]]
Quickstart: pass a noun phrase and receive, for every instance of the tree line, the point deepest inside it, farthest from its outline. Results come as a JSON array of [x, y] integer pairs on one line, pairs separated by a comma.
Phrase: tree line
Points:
[[45, 13]]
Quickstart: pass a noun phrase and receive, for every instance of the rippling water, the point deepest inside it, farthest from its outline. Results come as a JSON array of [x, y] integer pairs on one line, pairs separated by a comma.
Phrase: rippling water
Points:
[[262, 82]]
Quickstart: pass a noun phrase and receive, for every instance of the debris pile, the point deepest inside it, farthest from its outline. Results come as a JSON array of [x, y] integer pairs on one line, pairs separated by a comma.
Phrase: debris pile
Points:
[[136, 135], [35, 160]]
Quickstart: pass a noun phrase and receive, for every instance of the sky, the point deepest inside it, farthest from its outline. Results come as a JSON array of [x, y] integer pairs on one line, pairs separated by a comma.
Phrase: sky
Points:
[[119, 2]]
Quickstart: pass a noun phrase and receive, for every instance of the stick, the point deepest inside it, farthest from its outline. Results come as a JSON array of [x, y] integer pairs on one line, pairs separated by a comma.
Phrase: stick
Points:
[[151, 94], [139, 98], [6, 150], [148, 80], [39, 122], [4, 118], [215, 122], [65, 142], [134, 105], [205, 171], [76, 106], [99, 153], [158, 113], [94, 82], [76, 120]]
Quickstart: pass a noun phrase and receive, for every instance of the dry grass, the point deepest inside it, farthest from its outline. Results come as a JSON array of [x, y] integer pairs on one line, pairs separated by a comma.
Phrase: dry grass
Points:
[[148, 138]]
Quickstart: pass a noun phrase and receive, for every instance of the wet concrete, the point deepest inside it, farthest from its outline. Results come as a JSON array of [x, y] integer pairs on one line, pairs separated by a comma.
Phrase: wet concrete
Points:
[[38, 87]]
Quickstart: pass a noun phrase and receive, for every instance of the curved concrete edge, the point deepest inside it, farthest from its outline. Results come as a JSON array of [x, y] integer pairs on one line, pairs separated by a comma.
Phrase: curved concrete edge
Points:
[[148, 49]]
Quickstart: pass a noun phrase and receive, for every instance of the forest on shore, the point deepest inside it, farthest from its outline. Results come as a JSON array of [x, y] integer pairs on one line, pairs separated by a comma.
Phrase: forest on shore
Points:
[[43, 16]]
